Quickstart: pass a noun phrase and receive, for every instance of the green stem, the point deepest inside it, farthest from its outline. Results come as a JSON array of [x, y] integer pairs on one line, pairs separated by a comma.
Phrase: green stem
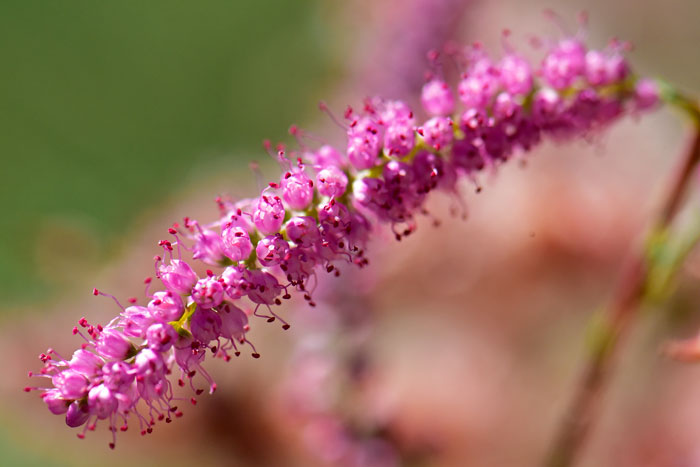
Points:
[[665, 255], [618, 316], [179, 325]]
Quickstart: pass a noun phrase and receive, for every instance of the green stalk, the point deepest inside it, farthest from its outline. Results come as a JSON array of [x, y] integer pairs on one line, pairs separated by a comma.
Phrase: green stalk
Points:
[[614, 323]]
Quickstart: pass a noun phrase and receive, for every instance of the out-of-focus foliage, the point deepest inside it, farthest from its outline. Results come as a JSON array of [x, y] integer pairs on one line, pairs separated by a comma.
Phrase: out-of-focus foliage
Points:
[[108, 106]]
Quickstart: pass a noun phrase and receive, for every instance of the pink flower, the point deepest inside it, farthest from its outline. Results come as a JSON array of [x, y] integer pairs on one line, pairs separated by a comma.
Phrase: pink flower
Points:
[[178, 276], [297, 190], [437, 98], [269, 214], [265, 248], [208, 292]]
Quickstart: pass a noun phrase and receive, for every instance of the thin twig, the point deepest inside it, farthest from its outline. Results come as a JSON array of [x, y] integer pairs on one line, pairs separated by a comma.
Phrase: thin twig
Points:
[[619, 315]]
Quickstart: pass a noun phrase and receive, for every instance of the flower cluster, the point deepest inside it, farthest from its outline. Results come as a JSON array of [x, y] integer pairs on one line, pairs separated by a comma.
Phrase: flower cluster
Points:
[[320, 213]]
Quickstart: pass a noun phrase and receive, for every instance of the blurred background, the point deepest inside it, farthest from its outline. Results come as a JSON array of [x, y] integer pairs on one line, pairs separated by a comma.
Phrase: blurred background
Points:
[[119, 118]]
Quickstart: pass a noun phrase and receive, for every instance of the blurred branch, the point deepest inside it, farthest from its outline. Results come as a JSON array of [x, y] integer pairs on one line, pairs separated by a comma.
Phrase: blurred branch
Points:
[[666, 254], [609, 328]]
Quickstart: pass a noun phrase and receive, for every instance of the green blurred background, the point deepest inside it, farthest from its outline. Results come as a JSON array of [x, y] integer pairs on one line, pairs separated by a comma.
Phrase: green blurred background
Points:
[[107, 107]]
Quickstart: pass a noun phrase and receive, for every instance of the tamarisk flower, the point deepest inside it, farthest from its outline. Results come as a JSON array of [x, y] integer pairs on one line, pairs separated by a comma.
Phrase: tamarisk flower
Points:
[[320, 214]]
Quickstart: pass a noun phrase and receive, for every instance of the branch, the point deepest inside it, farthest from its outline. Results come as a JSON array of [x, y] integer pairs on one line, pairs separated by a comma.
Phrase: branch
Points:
[[619, 315]]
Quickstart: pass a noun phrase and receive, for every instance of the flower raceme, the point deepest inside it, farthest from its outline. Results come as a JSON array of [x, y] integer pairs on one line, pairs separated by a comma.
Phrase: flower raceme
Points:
[[320, 213]]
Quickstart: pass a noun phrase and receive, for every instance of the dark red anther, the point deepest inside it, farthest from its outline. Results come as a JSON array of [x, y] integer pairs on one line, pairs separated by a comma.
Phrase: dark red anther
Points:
[[172, 231], [148, 279], [210, 272], [95, 292]]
